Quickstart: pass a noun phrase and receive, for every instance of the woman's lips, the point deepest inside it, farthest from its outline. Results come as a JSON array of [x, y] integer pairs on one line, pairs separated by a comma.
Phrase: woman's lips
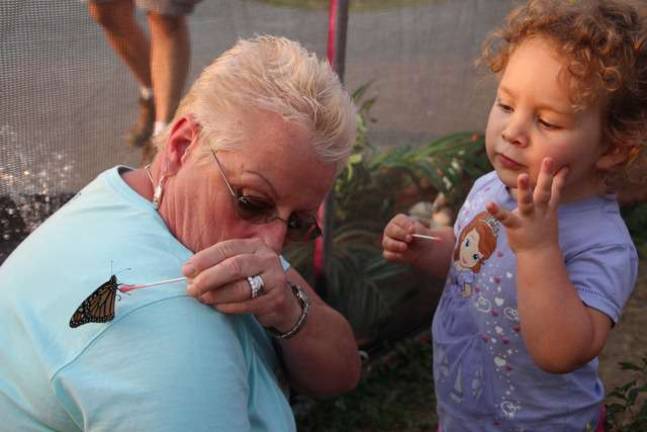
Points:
[[509, 163]]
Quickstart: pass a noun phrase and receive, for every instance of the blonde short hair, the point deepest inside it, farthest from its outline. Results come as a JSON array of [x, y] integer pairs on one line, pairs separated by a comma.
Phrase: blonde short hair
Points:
[[272, 74]]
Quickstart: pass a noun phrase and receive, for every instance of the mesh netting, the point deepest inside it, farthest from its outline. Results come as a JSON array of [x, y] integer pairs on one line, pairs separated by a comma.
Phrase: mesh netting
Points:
[[67, 100]]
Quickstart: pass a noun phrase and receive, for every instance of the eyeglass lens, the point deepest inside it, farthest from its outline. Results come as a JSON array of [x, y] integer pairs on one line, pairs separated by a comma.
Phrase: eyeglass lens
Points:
[[255, 210]]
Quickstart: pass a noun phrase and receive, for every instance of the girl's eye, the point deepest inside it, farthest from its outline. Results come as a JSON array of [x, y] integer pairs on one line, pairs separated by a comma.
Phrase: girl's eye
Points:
[[475, 257], [548, 125], [467, 242]]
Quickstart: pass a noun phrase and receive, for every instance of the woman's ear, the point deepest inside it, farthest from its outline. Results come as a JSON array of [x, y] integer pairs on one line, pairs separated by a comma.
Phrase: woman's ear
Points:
[[183, 134]]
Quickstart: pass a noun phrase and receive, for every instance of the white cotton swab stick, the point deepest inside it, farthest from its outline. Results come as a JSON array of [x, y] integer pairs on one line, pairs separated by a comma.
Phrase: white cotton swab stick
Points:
[[426, 237], [128, 287]]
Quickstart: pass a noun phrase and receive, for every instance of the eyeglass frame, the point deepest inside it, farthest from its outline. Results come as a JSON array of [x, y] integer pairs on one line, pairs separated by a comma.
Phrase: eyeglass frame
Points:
[[314, 230]]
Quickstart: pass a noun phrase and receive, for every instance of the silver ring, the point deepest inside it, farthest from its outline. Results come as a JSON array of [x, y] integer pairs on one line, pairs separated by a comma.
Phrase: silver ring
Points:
[[256, 285]]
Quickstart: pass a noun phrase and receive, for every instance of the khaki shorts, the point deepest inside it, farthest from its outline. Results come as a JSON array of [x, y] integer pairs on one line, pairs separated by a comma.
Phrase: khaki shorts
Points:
[[162, 7]]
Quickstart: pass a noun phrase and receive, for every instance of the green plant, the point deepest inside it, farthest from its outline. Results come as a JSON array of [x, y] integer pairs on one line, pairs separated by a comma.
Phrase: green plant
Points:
[[635, 217], [375, 185], [396, 394], [627, 404]]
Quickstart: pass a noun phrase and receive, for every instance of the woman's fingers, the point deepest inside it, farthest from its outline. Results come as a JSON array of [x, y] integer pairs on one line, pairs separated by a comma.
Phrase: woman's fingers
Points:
[[271, 309], [228, 269], [219, 252], [263, 305], [234, 292]]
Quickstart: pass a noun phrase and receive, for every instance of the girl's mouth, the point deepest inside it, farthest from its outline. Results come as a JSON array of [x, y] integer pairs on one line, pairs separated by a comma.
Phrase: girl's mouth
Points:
[[509, 163]]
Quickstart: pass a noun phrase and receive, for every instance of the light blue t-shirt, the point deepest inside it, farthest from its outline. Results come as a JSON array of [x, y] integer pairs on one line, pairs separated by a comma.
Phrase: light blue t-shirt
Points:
[[485, 379], [165, 363]]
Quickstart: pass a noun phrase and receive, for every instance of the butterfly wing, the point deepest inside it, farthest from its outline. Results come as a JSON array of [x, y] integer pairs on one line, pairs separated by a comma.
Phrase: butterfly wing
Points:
[[99, 306]]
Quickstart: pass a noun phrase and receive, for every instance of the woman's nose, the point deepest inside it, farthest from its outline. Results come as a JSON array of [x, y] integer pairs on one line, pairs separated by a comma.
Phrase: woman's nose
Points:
[[273, 234]]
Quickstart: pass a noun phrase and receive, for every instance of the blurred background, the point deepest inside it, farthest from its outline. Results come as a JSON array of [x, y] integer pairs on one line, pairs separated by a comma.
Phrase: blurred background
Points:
[[67, 100]]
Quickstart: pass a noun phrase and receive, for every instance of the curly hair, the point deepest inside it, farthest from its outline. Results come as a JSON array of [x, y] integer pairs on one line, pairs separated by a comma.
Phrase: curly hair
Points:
[[604, 47]]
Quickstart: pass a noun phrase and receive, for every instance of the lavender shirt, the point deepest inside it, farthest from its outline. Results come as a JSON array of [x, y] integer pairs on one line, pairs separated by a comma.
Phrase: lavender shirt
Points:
[[485, 379]]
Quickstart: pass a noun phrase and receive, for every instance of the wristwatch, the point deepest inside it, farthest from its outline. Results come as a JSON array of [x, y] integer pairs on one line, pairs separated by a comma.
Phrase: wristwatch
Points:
[[304, 302]]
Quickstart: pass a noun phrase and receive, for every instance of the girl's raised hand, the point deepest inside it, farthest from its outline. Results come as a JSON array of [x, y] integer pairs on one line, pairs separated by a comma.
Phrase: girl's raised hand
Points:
[[533, 224], [398, 242]]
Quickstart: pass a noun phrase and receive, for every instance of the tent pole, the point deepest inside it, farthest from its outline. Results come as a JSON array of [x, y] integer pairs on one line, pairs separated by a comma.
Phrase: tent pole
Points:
[[336, 53]]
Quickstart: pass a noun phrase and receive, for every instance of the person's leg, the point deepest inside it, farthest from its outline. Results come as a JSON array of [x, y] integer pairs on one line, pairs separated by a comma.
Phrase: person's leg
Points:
[[170, 57], [117, 17]]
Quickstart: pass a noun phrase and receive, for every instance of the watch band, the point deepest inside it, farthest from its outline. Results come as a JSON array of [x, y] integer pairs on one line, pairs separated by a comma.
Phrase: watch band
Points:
[[303, 300]]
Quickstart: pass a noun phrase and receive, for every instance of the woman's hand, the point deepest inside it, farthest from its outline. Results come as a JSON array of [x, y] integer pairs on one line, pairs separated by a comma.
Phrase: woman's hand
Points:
[[218, 276], [533, 224]]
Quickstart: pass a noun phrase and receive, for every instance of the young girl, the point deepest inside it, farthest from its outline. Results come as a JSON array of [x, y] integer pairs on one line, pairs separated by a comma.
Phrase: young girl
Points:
[[532, 295]]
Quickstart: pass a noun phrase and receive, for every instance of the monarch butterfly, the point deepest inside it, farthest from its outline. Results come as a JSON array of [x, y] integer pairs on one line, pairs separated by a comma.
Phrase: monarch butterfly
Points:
[[99, 306]]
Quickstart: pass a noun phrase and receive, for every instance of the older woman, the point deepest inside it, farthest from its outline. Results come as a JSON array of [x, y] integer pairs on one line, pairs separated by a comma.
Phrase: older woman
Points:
[[251, 154]]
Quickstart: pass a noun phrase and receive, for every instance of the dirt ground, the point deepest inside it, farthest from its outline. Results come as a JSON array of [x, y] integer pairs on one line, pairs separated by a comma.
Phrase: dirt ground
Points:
[[628, 340]]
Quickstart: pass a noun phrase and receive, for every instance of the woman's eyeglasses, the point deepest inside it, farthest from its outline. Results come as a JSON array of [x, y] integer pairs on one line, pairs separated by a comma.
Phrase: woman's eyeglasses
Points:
[[258, 211]]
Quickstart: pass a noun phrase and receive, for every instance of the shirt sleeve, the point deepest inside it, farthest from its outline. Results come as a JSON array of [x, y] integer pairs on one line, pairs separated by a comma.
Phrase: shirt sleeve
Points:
[[605, 276], [174, 365]]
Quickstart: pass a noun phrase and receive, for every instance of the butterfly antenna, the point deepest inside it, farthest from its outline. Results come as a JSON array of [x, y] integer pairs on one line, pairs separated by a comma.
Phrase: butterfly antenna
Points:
[[122, 270]]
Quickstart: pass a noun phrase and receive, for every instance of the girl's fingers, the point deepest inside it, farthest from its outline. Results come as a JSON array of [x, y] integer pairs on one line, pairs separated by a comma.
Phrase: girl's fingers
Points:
[[400, 228], [558, 186], [394, 246], [524, 195], [508, 219], [392, 256], [543, 188]]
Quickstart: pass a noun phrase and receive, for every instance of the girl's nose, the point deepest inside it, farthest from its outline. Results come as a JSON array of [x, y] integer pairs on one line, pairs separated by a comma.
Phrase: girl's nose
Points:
[[516, 131]]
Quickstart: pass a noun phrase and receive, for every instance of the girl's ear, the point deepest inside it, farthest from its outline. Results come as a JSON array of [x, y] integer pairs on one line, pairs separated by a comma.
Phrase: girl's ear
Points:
[[613, 157]]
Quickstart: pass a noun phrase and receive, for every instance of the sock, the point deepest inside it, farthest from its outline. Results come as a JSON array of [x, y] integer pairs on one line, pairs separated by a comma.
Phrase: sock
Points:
[[145, 92], [159, 127]]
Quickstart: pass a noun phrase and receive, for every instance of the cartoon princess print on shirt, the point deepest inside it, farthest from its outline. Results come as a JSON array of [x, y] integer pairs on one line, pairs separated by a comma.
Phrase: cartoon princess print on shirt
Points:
[[475, 244]]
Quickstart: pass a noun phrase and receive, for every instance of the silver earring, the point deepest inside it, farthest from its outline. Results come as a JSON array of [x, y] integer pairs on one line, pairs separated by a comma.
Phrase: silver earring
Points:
[[159, 191]]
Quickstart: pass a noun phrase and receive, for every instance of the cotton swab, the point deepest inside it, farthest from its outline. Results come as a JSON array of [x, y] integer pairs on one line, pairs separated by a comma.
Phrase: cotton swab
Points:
[[426, 237], [131, 287]]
